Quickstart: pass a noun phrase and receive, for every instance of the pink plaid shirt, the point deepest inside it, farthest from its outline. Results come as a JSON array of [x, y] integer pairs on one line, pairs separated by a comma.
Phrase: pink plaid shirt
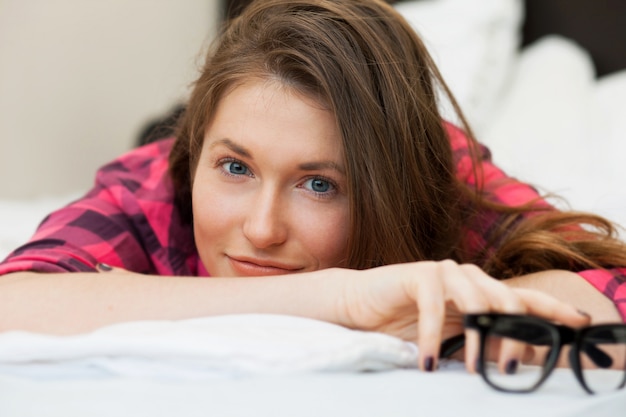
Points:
[[129, 220]]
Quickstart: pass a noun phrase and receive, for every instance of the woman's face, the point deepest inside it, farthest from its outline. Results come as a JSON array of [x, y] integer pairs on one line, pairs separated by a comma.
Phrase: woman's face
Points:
[[269, 192]]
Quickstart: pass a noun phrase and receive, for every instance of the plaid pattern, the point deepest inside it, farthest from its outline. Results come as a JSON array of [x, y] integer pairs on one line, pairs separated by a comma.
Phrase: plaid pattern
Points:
[[129, 220]]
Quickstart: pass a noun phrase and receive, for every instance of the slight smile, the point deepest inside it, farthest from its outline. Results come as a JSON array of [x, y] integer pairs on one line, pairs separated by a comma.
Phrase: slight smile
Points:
[[244, 266]]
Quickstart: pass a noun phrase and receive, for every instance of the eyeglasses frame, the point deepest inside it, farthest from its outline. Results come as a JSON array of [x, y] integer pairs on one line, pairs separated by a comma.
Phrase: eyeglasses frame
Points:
[[561, 335]]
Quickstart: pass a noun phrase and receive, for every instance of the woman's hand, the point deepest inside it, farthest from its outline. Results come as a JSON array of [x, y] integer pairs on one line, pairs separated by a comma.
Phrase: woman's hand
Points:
[[424, 302]]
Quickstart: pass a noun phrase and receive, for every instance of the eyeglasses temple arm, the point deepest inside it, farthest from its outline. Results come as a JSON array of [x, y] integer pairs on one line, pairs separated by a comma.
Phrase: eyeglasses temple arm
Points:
[[597, 355], [452, 345]]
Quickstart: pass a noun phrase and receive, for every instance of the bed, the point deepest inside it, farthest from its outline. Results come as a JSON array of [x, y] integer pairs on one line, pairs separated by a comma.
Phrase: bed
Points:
[[550, 104]]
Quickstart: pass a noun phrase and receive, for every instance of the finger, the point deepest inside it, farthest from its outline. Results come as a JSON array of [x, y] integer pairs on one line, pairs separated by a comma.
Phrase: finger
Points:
[[461, 289], [481, 293], [510, 355], [454, 287], [451, 284], [506, 299], [467, 298], [500, 297], [472, 347], [430, 299], [507, 354], [545, 306]]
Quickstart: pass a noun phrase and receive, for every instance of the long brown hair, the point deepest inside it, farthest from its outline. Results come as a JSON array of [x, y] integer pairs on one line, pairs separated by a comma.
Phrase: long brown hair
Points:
[[364, 62]]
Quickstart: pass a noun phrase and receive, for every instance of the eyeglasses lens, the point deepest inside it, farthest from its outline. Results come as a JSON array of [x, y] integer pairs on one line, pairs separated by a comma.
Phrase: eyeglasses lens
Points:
[[603, 358], [516, 353]]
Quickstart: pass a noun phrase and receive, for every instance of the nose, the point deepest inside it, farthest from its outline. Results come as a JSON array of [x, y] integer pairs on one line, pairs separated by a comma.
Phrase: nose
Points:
[[265, 225]]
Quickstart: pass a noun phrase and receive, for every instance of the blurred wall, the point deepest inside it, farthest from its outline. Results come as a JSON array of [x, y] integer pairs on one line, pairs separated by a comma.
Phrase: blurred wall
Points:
[[80, 78]]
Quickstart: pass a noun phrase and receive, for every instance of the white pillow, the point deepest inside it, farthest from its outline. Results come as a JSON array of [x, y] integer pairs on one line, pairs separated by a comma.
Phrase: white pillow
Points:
[[609, 141], [474, 43], [559, 129], [206, 347]]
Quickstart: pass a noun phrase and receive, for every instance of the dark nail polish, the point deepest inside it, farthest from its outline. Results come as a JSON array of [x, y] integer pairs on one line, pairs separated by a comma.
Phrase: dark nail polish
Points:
[[511, 366], [429, 364], [104, 267]]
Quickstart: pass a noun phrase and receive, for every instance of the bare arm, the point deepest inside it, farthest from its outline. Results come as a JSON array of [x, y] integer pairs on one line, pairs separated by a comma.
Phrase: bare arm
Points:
[[78, 302], [422, 302]]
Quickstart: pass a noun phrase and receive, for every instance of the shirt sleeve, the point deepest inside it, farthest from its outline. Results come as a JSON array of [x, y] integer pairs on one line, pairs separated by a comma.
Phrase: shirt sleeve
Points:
[[611, 283], [499, 187], [123, 221]]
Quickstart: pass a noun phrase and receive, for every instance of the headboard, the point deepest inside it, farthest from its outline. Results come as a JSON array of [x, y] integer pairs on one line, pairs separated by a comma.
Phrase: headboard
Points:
[[597, 25]]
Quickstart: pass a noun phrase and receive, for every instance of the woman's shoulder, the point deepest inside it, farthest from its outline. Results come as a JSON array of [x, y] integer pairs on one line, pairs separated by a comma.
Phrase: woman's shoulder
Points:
[[143, 169], [152, 155], [459, 139]]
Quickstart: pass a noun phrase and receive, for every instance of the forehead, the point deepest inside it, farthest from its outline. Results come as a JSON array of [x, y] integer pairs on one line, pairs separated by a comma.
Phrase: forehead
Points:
[[269, 111], [270, 87]]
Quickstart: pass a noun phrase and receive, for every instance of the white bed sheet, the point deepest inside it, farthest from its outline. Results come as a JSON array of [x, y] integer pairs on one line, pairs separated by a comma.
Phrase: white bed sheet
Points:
[[258, 365], [392, 393]]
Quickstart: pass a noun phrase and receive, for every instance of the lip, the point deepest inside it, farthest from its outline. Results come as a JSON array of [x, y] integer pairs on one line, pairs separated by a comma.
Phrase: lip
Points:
[[244, 266]]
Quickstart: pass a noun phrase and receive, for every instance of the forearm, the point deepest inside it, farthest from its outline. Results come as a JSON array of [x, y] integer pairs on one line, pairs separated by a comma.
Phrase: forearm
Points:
[[77, 302], [573, 289], [422, 302]]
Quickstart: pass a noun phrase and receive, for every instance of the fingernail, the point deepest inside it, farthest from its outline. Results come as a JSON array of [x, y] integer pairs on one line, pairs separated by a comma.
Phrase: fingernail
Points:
[[583, 313], [429, 364], [104, 267], [511, 366]]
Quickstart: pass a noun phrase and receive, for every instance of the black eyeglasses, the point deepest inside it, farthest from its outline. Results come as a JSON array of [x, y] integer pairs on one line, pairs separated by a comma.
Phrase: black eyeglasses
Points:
[[518, 353]]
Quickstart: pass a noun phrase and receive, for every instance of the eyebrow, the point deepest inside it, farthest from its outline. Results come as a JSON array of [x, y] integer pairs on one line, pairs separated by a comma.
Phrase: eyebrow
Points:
[[238, 149], [318, 166], [307, 166]]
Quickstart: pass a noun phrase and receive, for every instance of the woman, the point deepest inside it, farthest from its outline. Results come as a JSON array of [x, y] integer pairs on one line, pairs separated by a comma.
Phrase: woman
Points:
[[312, 161]]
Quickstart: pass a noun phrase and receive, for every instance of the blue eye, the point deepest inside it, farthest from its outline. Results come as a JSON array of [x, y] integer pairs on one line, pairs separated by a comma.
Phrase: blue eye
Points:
[[319, 185], [236, 168]]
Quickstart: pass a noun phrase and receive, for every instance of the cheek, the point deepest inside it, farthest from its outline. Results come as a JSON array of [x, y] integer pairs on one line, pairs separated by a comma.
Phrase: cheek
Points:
[[324, 235], [212, 214]]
